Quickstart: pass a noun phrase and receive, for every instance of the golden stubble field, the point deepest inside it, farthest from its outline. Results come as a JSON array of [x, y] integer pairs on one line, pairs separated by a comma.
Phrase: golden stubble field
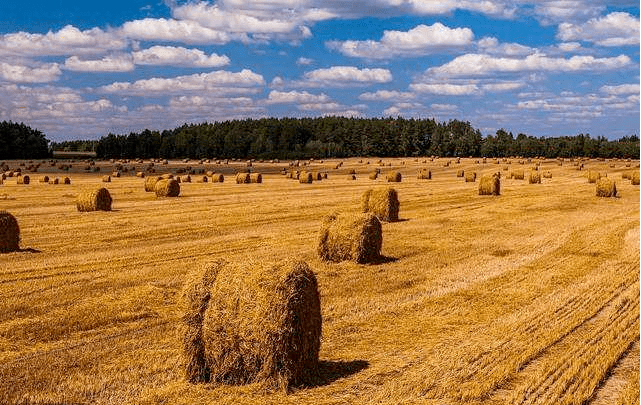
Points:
[[531, 297]]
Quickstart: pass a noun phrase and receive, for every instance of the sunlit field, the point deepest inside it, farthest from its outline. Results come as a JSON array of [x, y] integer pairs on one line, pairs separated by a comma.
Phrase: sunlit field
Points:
[[530, 297]]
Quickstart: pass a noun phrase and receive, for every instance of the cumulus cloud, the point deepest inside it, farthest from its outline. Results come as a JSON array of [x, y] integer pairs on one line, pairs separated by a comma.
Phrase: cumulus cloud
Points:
[[114, 63], [631, 88], [220, 81], [24, 74], [481, 64], [614, 29], [448, 89], [170, 30], [347, 75], [420, 40], [67, 41], [304, 61], [491, 45], [178, 56], [387, 95], [279, 97]]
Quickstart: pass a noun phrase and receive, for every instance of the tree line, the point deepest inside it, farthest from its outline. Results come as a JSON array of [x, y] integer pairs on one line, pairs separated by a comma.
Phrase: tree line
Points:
[[18, 141], [324, 137]]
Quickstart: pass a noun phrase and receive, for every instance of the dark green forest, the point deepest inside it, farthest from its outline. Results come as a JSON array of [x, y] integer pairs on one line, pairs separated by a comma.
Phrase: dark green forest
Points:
[[293, 138]]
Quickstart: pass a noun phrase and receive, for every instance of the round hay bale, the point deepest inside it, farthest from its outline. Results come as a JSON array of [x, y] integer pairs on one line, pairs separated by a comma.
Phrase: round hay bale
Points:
[[634, 178], [167, 176], [593, 176], [185, 179], [470, 177], [23, 179], [424, 174], [350, 237], [351, 171], [518, 174], [534, 178], [351, 177], [202, 179], [255, 178], [305, 178], [490, 185], [324, 175], [66, 180], [243, 178], [606, 188], [393, 177], [44, 179], [115, 174], [547, 174], [106, 179], [150, 183], [55, 180], [251, 322], [382, 202], [373, 175], [217, 178], [460, 173], [140, 174], [94, 200], [167, 188], [9, 233]]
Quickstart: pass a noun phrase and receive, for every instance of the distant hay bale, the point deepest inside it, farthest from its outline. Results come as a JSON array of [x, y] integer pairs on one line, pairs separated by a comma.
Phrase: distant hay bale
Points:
[[351, 177], [217, 178], [150, 183], [167, 188], [252, 322], [317, 176], [606, 188], [55, 181], [324, 175], [185, 179], [534, 178], [115, 174], [490, 185], [373, 175], [382, 202], [66, 180], [305, 177], [350, 237], [424, 174], [209, 173], [255, 178], [243, 178], [106, 179], [94, 200], [547, 174], [140, 174], [167, 176], [9, 233], [202, 179], [470, 177], [44, 179], [393, 177], [593, 176], [634, 179], [626, 175], [460, 173], [518, 174], [351, 171], [23, 179]]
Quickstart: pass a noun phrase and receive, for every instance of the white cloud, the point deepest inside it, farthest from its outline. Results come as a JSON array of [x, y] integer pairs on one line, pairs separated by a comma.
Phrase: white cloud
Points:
[[304, 61], [632, 88], [66, 41], [615, 29], [387, 95], [347, 75], [491, 45], [448, 89], [569, 46], [481, 64], [114, 63], [178, 56], [188, 32], [420, 40], [220, 81], [554, 11], [23, 74], [279, 97], [502, 86], [444, 107]]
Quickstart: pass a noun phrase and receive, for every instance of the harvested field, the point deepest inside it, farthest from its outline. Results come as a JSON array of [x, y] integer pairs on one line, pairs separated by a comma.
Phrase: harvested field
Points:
[[474, 301]]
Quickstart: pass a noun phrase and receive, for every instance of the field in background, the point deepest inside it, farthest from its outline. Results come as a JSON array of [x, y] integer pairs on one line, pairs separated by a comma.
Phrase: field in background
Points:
[[530, 297]]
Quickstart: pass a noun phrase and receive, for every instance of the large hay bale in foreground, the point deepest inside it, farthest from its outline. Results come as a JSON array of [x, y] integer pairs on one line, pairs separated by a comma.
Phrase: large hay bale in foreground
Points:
[[393, 177], [252, 322], [94, 200], [9, 233], [382, 202], [350, 237], [606, 188], [255, 178], [167, 188], [490, 185], [534, 178], [243, 178], [150, 183]]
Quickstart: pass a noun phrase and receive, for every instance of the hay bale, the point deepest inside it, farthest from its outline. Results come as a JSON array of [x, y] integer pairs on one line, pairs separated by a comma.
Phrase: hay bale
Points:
[[393, 177], [9, 233], [185, 179], [252, 323], [66, 180], [23, 179], [470, 177], [106, 179], [382, 202], [217, 178], [44, 179], [243, 178], [55, 180], [490, 185], [373, 175], [202, 179], [94, 200], [305, 177], [547, 174], [518, 174], [424, 174], [606, 188], [255, 178], [634, 179], [115, 174], [460, 173], [150, 183], [350, 237], [167, 188], [534, 178], [593, 176], [140, 174], [351, 177]]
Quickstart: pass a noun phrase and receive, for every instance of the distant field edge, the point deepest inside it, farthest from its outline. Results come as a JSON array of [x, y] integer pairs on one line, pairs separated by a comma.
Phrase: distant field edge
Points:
[[67, 154]]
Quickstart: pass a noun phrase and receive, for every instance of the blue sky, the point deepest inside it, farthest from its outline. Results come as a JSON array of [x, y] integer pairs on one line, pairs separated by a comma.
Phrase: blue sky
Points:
[[79, 70]]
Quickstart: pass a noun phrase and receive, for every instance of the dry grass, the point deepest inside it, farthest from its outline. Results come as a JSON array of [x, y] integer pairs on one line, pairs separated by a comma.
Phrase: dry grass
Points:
[[479, 302]]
